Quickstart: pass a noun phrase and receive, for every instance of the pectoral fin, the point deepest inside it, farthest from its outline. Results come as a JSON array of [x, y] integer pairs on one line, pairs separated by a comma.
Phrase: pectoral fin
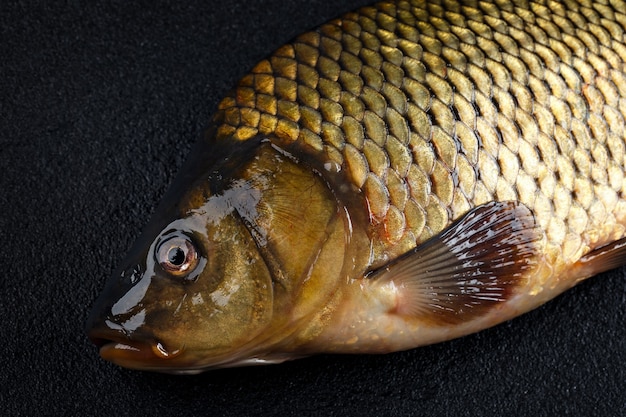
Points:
[[468, 268]]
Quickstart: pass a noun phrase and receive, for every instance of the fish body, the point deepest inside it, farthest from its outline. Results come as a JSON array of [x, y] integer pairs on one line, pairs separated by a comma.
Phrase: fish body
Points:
[[411, 172]]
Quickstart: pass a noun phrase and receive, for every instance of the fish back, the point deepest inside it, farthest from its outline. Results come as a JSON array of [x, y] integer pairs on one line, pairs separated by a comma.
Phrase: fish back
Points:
[[433, 108]]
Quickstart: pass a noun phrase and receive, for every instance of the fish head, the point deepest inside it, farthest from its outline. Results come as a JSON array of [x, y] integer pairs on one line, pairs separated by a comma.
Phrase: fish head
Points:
[[199, 288], [213, 277]]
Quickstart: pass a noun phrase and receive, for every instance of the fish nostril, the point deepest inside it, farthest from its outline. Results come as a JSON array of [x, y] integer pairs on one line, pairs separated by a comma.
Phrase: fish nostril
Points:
[[131, 274]]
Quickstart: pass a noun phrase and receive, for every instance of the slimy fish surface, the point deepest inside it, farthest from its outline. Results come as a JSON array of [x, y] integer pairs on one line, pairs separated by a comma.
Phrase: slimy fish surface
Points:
[[408, 173]]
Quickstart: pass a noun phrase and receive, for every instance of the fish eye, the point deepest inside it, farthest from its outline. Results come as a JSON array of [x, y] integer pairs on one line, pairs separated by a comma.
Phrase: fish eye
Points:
[[177, 255]]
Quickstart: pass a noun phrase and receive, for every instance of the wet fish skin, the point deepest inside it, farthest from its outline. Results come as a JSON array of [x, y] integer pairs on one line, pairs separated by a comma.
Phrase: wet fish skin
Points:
[[471, 112], [381, 129]]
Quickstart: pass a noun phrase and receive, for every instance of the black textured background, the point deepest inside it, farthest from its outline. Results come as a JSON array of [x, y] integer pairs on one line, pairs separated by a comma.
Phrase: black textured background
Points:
[[99, 104]]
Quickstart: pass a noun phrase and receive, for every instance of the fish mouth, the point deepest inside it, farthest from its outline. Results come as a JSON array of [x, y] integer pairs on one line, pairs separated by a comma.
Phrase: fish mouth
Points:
[[134, 354]]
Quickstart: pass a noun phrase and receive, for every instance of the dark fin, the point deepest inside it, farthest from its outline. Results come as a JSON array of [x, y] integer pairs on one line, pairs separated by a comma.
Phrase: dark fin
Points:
[[603, 259], [469, 267]]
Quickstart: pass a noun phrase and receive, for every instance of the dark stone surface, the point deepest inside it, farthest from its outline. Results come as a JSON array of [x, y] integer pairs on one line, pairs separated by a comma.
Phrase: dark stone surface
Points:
[[99, 104]]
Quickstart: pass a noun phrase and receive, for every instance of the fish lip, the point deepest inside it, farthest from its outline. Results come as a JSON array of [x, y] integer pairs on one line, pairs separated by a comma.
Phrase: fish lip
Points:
[[145, 356], [141, 355], [130, 353], [108, 349]]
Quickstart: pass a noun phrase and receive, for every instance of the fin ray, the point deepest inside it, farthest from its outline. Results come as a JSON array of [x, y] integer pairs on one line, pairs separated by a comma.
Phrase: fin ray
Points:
[[469, 267], [604, 258]]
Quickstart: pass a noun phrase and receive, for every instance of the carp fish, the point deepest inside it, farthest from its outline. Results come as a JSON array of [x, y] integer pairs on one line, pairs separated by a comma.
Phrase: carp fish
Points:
[[411, 172]]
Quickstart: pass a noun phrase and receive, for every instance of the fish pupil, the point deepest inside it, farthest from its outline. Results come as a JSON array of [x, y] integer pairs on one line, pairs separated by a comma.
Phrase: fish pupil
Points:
[[176, 256]]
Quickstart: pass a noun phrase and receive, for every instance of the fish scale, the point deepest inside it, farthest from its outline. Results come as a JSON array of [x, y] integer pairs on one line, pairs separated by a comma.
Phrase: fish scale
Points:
[[435, 108]]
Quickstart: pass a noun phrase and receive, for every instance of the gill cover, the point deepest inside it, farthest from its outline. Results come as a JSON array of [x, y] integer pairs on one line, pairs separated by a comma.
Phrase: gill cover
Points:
[[213, 279]]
